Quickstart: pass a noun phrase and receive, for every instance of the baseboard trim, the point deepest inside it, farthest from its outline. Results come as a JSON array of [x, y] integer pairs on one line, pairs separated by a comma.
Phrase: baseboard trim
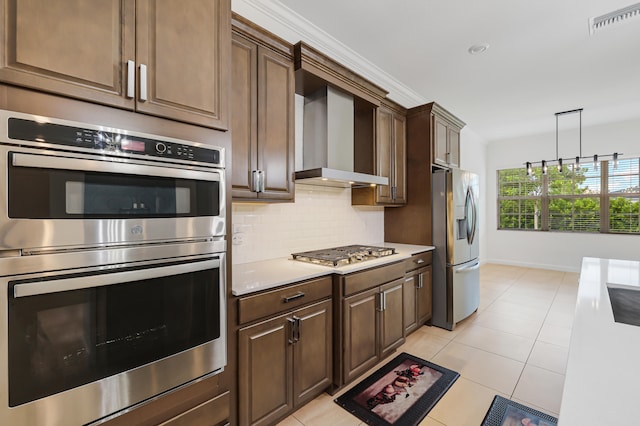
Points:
[[560, 268]]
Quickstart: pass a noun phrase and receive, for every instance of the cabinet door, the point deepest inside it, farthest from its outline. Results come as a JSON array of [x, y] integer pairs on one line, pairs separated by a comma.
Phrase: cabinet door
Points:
[[75, 48], [276, 89], [265, 365], [312, 353], [399, 159], [454, 146], [391, 317], [424, 295], [439, 142], [384, 154], [185, 48], [410, 302], [244, 115], [360, 333]]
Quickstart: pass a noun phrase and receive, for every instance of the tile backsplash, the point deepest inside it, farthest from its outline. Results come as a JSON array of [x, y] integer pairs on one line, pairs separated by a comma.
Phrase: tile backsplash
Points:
[[321, 217]]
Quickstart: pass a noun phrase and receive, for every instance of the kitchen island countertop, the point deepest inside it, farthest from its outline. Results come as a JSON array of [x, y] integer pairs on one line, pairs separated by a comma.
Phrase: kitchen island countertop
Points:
[[602, 378], [256, 276]]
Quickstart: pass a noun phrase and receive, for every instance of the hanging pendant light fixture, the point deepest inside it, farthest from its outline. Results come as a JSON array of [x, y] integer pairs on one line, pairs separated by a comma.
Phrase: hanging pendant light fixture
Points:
[[544, 164]]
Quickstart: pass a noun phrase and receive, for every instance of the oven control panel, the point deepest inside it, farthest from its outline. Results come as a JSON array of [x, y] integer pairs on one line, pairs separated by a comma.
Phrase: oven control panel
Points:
[[110, 142]]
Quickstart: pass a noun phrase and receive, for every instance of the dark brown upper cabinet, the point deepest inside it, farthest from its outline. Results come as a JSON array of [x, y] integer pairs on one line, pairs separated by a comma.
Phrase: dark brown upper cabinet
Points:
[[390, 159], [431, 130], [263, 115], [169, 59], [445, 140]]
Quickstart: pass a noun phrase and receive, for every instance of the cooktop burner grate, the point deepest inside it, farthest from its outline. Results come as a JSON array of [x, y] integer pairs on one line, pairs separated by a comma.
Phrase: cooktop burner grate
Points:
[[345, 255]]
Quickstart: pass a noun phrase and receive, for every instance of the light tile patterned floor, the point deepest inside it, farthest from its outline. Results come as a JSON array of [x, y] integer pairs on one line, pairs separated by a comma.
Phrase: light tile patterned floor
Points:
[[515, 346]]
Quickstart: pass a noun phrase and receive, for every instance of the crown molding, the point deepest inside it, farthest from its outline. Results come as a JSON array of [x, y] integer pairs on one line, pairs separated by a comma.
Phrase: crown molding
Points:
[[282, 21]]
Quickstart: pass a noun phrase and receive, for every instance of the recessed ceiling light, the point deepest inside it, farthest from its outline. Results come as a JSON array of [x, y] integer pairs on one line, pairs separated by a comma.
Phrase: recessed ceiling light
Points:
[[476, 49]]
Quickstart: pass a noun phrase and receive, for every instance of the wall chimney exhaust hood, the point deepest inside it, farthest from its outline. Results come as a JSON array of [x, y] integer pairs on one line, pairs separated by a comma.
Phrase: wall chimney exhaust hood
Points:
[[328, 142]]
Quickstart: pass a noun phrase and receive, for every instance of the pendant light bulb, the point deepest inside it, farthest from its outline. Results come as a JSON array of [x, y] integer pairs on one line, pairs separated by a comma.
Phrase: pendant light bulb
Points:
[[544, 167], [615, 160], [560, 165], [529, 169], [595, 162]]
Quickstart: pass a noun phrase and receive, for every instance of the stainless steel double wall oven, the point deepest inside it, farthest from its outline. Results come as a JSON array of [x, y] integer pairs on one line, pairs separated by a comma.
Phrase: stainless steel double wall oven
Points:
[[112, 268]]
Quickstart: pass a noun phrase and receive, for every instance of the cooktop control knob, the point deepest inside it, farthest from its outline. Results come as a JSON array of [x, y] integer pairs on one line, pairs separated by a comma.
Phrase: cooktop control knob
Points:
[[161, 148]]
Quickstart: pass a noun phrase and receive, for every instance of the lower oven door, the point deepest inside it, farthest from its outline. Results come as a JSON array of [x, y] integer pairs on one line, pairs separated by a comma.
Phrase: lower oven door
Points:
[[83, 343]]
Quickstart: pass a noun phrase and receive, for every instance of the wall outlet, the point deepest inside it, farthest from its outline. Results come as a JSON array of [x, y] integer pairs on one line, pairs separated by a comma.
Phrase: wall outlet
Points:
[[237, 239]]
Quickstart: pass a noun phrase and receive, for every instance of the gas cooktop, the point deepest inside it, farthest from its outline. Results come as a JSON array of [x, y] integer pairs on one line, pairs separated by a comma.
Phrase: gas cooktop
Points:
[[345, 255]]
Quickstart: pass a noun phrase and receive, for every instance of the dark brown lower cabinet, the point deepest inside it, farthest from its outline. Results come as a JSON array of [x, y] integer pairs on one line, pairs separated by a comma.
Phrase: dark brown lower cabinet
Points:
[[284, 362], [424, 294], [372, 328], [418, 293]]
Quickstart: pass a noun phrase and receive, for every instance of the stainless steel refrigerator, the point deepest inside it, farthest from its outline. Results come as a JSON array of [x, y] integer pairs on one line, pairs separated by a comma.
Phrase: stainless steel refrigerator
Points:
[[456, 264]]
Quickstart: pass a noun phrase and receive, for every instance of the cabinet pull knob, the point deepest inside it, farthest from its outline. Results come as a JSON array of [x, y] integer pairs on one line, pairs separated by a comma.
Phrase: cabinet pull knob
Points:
[[131, 79], [420, 261], [288, 299], [143, 82]]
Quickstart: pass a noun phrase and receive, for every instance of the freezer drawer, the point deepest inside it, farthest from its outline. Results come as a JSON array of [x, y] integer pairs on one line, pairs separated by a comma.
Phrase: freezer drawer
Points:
[[466, 288]]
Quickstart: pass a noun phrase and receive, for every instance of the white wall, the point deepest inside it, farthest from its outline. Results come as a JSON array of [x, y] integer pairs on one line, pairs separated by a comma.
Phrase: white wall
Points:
[[473, 157], [553, 250]]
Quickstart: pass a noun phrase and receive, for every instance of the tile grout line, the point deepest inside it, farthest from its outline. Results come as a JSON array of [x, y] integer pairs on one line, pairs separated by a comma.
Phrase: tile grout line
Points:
[[534, 343]]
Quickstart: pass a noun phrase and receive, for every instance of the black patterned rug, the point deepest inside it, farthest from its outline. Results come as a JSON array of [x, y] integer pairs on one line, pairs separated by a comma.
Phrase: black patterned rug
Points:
[[400, 393], [504, 412]]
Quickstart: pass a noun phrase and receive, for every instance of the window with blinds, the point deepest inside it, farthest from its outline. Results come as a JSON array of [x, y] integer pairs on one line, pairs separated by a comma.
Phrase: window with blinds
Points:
[[623, 188], [602, 198]]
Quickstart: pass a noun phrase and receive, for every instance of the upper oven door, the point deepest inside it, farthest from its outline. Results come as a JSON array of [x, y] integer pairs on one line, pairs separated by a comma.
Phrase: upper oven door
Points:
[[54, 199]]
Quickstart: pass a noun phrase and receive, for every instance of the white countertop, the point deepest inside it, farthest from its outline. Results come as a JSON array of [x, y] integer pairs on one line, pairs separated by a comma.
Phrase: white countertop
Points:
[[602, 381], [256, 276]]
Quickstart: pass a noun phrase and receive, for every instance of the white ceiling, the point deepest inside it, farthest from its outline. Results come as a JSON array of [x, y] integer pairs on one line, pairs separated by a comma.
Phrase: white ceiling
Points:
[[541, 58]]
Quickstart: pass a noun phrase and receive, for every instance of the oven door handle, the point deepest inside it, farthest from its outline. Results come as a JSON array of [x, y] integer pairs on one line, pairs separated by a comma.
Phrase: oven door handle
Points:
[[66, 163], [99, 280]]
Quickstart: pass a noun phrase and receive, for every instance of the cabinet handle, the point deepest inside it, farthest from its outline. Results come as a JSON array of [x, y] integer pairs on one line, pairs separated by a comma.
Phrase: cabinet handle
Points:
[[420, 281], [263, 175], [292, 330], [288, 299], [383, 301], [131, 79], [448, 157], [420, 261], [143, 82], [254, 183], [298, 327]]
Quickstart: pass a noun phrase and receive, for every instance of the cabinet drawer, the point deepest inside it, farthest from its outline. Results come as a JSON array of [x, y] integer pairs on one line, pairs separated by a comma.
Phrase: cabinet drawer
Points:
[[359, 281], [272, 302], [419, 260], [211, 412]]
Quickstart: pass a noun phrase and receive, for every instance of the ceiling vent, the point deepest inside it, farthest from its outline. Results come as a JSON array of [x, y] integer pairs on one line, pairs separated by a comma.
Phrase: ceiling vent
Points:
[[616, 17]]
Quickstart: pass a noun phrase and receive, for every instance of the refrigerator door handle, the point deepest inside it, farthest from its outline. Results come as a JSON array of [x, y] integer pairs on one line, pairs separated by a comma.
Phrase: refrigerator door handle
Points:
[[468, 268], [470, 207]]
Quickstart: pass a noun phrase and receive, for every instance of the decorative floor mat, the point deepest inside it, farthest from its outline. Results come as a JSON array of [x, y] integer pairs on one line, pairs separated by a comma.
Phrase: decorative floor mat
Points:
[[400, 393]]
